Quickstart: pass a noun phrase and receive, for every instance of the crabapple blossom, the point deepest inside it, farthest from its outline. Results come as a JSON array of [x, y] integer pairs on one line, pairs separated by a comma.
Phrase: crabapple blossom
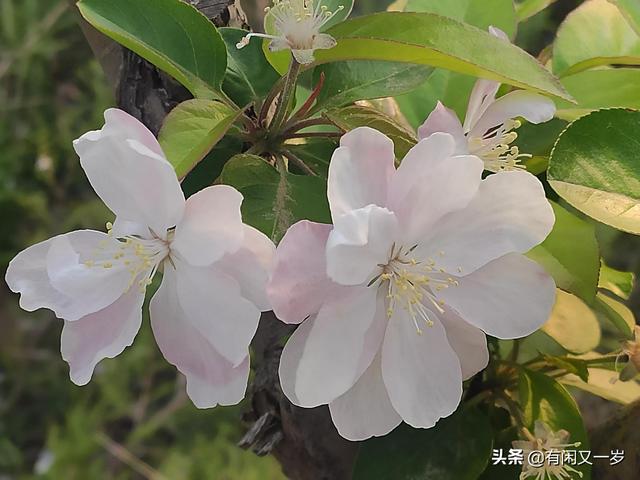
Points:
[[206, 310], [546, 440], [395, 297], [488, 129], [298, 25]]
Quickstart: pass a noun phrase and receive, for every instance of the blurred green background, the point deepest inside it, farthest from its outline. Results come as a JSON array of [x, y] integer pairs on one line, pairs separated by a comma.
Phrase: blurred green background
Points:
[[133, 420]]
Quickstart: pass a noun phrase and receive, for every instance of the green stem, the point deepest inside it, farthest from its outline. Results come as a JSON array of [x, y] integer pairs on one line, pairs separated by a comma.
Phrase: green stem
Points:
[[285, 96]]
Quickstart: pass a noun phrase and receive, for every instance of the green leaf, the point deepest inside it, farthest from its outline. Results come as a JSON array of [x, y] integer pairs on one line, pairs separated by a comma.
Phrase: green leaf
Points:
[[528, 8], [453, 89], [573, 324], [249, 75], [575, 366], [616, 281], [605, 384], [316, 154], [631, 10], [570, 254], [171, 34], [273, 200], [597, 89], [542, 398], [594, 30], [355, 116], [428, 39], [192, 129], [346, 82], [457, 448], [617, 313], [594, 166], [538, 141]]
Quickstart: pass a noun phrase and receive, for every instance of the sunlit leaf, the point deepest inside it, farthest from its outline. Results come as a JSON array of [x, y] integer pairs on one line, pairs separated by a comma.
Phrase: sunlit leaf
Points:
[[616, 281]]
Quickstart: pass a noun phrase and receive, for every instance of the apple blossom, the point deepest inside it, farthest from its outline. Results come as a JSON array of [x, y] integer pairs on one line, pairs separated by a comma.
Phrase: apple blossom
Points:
[[545, 440], [206, 310], [298, 25], [395, 297], [488, 129]]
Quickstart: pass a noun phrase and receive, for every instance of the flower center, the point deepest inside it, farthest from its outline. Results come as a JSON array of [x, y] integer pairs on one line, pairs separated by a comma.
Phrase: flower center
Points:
[[495, 148], [412, 285], [140, 256]]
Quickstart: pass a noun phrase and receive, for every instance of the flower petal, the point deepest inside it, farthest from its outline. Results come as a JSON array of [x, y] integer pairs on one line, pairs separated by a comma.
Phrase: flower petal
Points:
[[510, 297], [534, 107], [104, 334], [304, 57], [90, 288], [132, 178], [422, 372], [469, 343], [360, 241], [299, 284], [483, 94], [324, 41], [251, 266], [365, 410], [509, 214], [211, 226], [445, 120], [213, 305], [360, 171], [124, 228], [211, 379], [431, 183], [343, 340]]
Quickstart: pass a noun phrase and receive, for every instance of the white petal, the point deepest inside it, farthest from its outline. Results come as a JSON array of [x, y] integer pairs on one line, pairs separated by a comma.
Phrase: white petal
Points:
[[278, 44], [124, 228], [510, 297], [304, 57], [91, 288], [496, 32], [213, 304], [323, 41], [365, 410], [343, 340], [211, 226], [131, 176], [290, 359], [431, 183], [469, 343], [360, 171], [299, 284], [211, 379], [360, 241], [445, 120], [509, 214], [422, 372], [104, 334], [251, 266], [482, 95], [534, 107]]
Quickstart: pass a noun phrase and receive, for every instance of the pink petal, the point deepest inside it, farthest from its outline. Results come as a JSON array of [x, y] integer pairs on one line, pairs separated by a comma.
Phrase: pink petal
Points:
[[211, 379], [250, 266], [360, 171], [445, 120], [534, 107], [299, 284], [360, 241], [342, 342], [130, 174], [509, 214], [483, 94], [104, 334], [365, 410], [431, 183], [213, 305], [422, 372], [211, 226], [510, 297], [469, 343]]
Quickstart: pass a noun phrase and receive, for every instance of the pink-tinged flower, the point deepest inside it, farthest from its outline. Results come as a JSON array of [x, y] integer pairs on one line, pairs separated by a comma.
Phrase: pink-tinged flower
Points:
[[394, 297], [215, 268], [488, 129]]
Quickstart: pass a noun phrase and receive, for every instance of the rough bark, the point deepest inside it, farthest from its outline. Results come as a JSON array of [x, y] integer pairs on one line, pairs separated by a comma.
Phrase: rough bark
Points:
[[304, 441]]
